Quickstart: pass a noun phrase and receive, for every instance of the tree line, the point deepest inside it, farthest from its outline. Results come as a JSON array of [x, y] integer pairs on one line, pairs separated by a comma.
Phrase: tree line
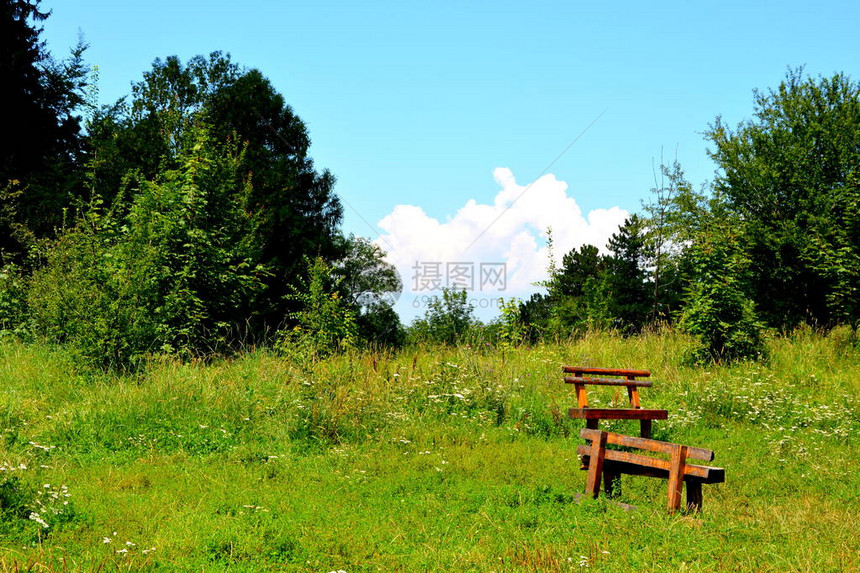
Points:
[[185, 217], [189, 218], [772, 243]]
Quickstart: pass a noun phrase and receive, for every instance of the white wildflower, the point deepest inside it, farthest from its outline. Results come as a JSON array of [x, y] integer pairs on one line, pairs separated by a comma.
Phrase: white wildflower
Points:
[[38, 519]]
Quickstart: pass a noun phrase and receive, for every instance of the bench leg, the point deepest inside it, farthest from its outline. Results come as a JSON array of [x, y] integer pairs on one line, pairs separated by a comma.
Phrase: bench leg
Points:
[[694, 496], [611, 484], [591, 425], [645, 428], [676, 477], [595, 465]]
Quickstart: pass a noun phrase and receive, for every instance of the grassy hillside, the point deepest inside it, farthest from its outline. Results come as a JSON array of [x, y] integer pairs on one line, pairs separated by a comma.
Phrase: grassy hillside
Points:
[[430, 459]]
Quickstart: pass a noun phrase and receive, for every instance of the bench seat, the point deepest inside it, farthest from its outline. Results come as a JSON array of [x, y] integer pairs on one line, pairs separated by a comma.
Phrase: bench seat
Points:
[[604, 464], [701, 474], [617, 414]]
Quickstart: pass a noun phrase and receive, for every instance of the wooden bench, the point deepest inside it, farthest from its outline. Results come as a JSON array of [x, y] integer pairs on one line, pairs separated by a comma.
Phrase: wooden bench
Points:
[[583, 377], [608, 464]]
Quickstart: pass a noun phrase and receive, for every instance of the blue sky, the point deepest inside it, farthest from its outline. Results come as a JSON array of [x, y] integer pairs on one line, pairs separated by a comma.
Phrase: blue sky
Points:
[[435, 117]]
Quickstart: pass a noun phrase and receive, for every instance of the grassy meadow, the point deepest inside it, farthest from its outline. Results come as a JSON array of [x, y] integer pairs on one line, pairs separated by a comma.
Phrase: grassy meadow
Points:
[[430, 459]]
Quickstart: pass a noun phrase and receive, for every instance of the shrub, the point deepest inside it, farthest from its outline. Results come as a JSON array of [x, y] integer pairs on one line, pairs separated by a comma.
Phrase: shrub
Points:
[[13, 299], [326, 323], [170, 271], [512, 330], [718, 311], [447, 319]]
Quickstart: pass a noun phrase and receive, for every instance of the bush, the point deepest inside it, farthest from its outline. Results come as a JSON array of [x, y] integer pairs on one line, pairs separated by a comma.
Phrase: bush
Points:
[[13, 299], [325, 323], [717, 310], [171, 271], [511, 329], [447, 320]]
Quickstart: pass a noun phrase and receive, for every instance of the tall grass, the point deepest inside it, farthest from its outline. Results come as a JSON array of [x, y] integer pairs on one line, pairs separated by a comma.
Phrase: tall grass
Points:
[[446, 459]]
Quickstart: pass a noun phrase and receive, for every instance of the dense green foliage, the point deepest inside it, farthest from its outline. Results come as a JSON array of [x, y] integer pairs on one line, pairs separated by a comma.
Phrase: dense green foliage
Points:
[[171, 271], [447, 319], [717, 311], [40, 151], [189, 218], [432, 459], [771, 244], [792, 175], [326, 322], [199, 211], [296, 211]]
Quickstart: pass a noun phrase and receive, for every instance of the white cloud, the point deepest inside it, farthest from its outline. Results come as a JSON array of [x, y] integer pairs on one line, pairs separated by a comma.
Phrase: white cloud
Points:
[[512, 230]]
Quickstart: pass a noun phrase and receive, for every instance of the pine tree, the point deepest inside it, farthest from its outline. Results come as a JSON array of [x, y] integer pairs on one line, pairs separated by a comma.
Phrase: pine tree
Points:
[[627, 289], [40, 150]]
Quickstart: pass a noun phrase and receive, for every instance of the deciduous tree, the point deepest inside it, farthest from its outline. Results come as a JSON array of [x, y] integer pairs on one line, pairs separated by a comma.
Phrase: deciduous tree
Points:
[[791, 173], [296, 209]]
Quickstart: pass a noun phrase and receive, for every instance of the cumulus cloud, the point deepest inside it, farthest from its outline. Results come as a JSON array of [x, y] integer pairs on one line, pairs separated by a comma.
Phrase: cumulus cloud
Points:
[[510, 231]]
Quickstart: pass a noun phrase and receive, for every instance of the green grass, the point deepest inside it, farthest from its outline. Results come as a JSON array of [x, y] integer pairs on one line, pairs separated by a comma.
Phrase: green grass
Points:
[[429, 459]]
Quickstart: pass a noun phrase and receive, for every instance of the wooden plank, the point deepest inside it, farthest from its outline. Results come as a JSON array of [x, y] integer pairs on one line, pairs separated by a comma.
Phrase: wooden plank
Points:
[[596, 451], [617, 414], [607, 371], [642, 443], [618, 439], [677, 467], [607, 381], [714, 475], [636, 464], [653, 445], [631, 458]]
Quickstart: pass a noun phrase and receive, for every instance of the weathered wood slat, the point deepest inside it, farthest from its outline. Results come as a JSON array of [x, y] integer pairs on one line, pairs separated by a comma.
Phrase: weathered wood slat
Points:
[[700, 474], [607, 371], [628, 457], [617, 414], [647, 444], [607, 381]]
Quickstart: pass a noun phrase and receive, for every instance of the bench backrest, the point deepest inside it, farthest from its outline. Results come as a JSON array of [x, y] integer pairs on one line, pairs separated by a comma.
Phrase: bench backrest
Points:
[[584, 376], [582, 370]]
